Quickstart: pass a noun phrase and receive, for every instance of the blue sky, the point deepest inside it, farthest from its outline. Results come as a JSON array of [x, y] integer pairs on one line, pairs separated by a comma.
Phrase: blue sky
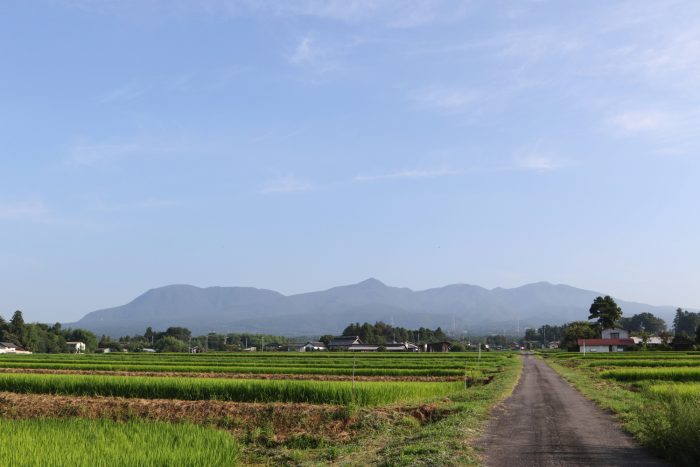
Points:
[[302, 144]]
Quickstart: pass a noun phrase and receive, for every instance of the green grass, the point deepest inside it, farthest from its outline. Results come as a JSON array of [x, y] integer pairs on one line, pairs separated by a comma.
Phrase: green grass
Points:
[[239, 390], [664, 374], [88, 443], [661, 414]]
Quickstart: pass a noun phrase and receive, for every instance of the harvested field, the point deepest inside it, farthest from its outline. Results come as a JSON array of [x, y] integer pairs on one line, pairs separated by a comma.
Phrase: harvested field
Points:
[[285, 419]]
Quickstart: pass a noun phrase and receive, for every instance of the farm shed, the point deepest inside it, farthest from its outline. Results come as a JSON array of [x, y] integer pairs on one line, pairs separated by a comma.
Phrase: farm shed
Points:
[[443, 346], [604, 345], [343, 342], [652, 341]]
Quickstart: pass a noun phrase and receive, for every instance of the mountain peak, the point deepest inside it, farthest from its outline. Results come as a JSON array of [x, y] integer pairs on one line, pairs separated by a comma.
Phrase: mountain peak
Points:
[[372, 282]]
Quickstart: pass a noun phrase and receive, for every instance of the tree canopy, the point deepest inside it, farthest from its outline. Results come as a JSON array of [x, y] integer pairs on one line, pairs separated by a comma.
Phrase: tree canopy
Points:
[[644, 322], [605, 311], [685, 322], [382, 333]]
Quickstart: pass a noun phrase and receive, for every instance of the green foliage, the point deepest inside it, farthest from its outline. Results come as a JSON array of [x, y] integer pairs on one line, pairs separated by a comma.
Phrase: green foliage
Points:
[[170, 344], [605, 311], [239, 390], [644, 322], [658, 407], [85, 443], [575, 331], [382, 333], [42, 338], [686, 322]]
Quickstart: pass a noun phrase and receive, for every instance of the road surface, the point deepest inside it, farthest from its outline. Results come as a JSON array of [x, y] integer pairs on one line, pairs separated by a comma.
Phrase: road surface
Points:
[[546, 422]]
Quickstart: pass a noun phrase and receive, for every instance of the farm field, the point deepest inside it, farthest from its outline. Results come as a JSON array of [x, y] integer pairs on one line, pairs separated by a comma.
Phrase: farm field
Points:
[[257, 409], [655, 395]]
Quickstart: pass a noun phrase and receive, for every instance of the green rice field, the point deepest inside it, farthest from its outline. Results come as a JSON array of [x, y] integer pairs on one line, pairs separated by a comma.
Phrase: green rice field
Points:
[[87, 443], [250, 413], [655, 394]]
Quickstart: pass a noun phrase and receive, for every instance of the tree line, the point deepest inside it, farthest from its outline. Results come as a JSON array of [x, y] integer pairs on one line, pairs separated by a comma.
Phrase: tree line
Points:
[[605, 313], [382, 333], [43, 338]]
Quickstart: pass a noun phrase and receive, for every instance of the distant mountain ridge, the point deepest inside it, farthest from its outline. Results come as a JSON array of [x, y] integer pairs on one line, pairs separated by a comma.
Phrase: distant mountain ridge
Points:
[[458, 308]]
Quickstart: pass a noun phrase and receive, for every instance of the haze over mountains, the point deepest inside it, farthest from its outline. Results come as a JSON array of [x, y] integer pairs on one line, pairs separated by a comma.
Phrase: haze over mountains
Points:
[[456, 308]]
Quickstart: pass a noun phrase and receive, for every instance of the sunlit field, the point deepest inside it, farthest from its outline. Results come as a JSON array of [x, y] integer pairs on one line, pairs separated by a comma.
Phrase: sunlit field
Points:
[[277, 408], [655, 394]]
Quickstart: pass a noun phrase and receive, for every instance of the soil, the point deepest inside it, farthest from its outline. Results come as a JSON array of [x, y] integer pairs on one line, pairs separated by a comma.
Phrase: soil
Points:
[[546, 422]]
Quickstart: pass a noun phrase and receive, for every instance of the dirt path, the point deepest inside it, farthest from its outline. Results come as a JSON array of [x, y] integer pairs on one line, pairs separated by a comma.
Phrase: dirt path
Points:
[[546, 422]]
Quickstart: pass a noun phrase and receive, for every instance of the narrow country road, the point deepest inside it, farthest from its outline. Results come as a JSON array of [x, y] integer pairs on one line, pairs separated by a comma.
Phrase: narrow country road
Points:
[[546, 422]]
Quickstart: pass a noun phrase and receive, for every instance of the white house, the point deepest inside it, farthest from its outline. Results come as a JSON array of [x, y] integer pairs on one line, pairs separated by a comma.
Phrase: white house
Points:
[[613, 340], [75, 347], [9, 347]]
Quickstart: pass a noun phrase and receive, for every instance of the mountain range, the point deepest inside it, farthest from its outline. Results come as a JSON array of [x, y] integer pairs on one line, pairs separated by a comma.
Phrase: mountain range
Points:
[[458, 308]]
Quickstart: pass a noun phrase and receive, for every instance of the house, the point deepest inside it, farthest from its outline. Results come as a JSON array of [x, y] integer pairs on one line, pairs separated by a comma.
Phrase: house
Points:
[[314, 347], [615, 333], [402, 347], [9, 347], [343, 342], [363, 348], [75, 347], [148, 350], [442, 346], [612, 340]]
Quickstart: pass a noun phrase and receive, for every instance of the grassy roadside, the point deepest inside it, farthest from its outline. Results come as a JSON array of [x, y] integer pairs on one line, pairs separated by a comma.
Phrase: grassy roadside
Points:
[[669, 426], [442, 432]]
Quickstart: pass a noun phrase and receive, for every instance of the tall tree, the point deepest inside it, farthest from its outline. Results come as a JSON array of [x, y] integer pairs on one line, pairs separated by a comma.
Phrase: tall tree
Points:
[[685, 322], [605, 311], [17, 323], [577, 330]]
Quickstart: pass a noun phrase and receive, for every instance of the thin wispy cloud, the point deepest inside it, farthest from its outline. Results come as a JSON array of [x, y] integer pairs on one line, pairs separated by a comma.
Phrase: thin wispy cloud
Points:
[[288, 183], [538, 162], [641, 121], [407, 175], [446, 98], [122, 94], [306, 52], [92, 154], [22, 211]]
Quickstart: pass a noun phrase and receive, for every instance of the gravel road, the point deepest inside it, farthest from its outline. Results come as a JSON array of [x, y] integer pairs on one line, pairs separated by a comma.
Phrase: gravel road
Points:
[[546, 422]]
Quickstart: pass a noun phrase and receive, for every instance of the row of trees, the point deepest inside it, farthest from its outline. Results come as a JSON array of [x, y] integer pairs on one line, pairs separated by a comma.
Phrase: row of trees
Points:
[[605, 313], [43, 338], [179, 339], [382, 333]]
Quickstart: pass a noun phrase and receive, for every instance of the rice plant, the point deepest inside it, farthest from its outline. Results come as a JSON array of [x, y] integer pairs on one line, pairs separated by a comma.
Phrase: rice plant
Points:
[[88, 443]]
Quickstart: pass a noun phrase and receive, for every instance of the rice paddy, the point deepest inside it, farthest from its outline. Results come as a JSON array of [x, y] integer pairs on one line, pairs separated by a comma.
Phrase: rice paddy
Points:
[[87, 443], [289, 401], [656, 394]]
